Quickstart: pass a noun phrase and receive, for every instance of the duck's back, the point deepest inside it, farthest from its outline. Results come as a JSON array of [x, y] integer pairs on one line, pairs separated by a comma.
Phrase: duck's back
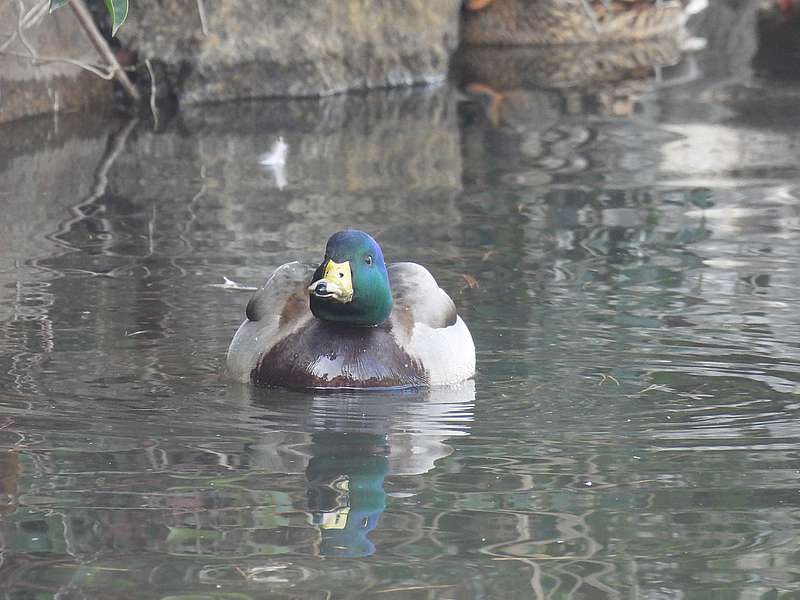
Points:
[[281, 343]]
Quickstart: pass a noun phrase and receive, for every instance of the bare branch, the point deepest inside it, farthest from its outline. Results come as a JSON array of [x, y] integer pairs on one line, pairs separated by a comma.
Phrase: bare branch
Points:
[[34, 15], [21, 35], [28, 18], [201, 10], [99, 42], [8, 41], [153, 107], [25, 20], [38, 59]]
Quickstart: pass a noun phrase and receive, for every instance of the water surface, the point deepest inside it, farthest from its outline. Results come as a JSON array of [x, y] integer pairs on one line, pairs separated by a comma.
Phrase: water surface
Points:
[[632, 429]]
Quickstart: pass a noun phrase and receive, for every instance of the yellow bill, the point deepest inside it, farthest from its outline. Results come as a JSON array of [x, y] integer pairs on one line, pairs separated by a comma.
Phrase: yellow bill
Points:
[[336, 282]]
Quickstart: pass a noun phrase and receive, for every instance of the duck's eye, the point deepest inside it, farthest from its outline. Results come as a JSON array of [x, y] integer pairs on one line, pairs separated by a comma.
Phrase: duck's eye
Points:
[[368, 259]]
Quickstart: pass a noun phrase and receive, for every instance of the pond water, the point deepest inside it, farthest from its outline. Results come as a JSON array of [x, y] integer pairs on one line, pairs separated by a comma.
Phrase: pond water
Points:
[[632, 431]]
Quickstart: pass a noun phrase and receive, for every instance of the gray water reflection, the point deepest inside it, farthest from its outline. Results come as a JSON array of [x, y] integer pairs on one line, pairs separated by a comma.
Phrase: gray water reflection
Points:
[[303, 476], [632, 431]]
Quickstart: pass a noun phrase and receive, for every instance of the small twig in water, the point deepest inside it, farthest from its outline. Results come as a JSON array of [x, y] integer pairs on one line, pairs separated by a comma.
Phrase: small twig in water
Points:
[[414, 588], [151, 230], [153, 107], [241, 572], [651, 388], [111, 569], [604, 378]]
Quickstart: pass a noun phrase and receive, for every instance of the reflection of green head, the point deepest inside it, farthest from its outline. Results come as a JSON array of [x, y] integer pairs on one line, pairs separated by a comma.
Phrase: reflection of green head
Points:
[[346, 496]]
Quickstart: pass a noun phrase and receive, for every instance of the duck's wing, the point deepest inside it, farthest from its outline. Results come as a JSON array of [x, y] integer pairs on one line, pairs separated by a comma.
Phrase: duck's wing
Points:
[[284, 297], [418, 298], [427, 327], [277, 309]]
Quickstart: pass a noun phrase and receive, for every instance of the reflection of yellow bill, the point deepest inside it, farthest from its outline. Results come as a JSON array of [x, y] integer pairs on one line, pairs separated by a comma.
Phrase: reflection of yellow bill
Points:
[[336, 519]]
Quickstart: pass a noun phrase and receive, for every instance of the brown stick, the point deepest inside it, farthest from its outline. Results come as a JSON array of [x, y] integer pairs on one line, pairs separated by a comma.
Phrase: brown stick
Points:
[[100, 44], [201, 10]]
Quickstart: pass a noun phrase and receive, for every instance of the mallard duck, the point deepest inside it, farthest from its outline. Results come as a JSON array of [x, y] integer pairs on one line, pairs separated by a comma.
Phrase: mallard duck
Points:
[[351, 322]]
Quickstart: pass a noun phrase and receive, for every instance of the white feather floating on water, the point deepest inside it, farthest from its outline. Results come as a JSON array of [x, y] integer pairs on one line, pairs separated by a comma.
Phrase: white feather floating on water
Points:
[[694, 7], [279, 173], [230, 284], [276, 157], [275, 160]]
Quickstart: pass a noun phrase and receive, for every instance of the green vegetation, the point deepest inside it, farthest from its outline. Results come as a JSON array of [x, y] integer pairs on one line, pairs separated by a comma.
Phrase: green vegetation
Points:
[[118, 9]]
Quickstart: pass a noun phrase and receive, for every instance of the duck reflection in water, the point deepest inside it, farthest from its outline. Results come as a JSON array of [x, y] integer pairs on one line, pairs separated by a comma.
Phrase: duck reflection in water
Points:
[[351, 443], [345, 490]]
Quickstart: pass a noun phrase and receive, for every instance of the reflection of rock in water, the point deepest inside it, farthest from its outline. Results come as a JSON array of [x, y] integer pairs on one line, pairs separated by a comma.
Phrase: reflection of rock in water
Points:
[[305, 477], [611, 77], [535, 102], [353, 161], [44, 171], [388, 163], [9, 469], [344, 143], [530, 141], [568, 21], [564, 66], [729, 28], [779, 44]]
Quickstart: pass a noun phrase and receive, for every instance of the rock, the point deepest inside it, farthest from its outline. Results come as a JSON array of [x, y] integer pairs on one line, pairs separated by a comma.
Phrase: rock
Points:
[[513, 48], [523, 22], [730, 29], [290, 48], [27, 89]]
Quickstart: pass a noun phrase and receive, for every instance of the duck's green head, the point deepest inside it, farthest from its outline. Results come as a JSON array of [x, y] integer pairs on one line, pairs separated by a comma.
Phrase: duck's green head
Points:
[[351, 285]]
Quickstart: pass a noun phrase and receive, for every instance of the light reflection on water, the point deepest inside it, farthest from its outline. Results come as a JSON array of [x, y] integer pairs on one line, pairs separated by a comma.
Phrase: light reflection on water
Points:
[[632, 428]]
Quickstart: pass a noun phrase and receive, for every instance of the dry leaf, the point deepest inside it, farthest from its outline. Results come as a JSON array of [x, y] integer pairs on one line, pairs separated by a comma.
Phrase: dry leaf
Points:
[[472, 283]]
